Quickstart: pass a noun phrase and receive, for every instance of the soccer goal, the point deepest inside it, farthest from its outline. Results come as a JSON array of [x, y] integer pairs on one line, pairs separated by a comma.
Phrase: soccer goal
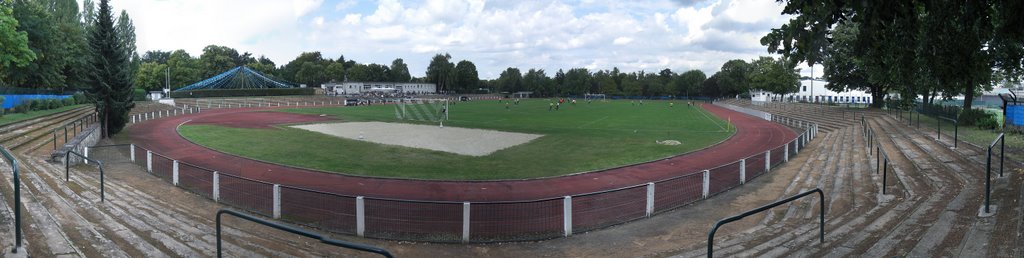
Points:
[[427, 110], [590, 97]]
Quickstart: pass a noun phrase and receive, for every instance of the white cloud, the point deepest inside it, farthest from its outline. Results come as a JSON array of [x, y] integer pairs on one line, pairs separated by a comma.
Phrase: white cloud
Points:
[[318, 21], [301, 7], [344, 4], [622, 40], [547, 35]]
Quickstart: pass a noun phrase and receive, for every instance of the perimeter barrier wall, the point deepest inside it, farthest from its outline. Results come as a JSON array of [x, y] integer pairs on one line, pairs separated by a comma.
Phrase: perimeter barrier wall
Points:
[[442, 221]]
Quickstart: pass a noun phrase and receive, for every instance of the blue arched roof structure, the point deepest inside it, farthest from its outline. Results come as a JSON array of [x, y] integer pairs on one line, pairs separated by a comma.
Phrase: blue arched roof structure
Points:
[[238, 78]]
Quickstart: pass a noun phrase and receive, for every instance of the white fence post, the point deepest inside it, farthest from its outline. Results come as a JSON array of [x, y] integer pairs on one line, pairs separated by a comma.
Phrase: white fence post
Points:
[[216, 186], [86, 154], [650, 199], [767, 160], [743, 171], [785, 153], [132, 152], [707, 183], [149, 161], [465, 222], [277, 201], [567, 215], [360, 216], [175, 174]]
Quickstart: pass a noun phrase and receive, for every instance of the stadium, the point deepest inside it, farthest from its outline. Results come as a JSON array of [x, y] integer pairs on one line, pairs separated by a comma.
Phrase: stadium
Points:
[[230, 154]]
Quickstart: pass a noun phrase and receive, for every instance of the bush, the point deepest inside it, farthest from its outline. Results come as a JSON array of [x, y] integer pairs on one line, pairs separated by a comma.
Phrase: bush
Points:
[[35, 104], [80, 98], [139, 94], [24, 107], [988, 123], [242, 92], [53, 104], [973, 116], [67, 101]]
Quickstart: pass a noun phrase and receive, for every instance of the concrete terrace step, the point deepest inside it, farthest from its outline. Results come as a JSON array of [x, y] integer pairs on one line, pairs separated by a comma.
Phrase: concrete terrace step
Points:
[[778, 226], [144, 224], [931, 209]]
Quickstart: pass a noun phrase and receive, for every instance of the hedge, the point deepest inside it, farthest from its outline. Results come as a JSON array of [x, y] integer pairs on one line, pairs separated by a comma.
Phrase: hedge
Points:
[[242, 92]]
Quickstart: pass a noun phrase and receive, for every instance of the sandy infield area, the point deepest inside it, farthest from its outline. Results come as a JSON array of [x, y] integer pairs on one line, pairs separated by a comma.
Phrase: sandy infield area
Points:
[[463, 141]]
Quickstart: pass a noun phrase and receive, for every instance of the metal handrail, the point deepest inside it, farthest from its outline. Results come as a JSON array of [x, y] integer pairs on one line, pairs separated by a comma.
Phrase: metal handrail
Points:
[[988, 166], [67, 169], [956, 129], [17, 198], [821, 216], [334, 242]]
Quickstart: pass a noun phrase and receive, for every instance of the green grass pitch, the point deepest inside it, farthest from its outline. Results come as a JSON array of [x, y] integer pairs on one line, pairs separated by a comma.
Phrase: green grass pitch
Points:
[[576, 138]]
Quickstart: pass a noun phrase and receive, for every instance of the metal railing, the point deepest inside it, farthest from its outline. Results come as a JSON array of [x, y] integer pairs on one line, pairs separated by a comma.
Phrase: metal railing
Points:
[[881, 156], [821, 217], [77, 126], [956, 129], [333, 242], [988, 166], [435, 221], [17, 198], [67, 169]]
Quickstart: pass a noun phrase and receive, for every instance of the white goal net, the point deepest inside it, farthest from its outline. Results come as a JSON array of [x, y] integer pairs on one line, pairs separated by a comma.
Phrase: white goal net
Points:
[[430, 110]]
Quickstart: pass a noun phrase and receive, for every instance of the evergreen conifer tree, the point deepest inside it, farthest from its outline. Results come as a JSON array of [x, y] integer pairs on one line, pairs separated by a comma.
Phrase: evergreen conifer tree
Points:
[[110, 76]]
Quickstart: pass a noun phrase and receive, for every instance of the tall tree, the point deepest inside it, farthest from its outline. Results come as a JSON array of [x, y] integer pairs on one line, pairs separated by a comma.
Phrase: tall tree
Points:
[[218, 59], [14, 50], [184, 69], [774, 75], [111, 80], [689, 83], [126, 28], [399, 71], [151, 76], [74, 43], [510, 80], [844, 69], [290, 70], [335, 72], [733, 78], [156, 56], [710, 87], [905, 46], [577, 82], [466, 77], [311, 74], [264, 65], [44, 40], [439, 71], [537, 81]]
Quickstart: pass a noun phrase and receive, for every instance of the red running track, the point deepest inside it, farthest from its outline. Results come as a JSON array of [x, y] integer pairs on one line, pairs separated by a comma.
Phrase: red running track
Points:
[[754, 135]]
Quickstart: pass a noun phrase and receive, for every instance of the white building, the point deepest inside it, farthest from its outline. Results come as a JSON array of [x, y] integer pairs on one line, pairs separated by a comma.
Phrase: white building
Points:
[[380, 87], [815, 91]]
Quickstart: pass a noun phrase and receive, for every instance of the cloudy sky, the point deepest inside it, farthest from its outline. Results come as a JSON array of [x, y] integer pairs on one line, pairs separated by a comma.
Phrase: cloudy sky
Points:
[[594, 34]]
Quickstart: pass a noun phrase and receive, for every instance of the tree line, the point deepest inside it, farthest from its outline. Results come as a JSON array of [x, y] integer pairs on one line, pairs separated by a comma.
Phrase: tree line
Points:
[[736, 77], [937, 49], [53, 44]]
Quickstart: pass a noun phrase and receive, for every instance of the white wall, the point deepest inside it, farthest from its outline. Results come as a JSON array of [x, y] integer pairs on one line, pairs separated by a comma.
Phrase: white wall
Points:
[[360, 87], [815, 91]]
